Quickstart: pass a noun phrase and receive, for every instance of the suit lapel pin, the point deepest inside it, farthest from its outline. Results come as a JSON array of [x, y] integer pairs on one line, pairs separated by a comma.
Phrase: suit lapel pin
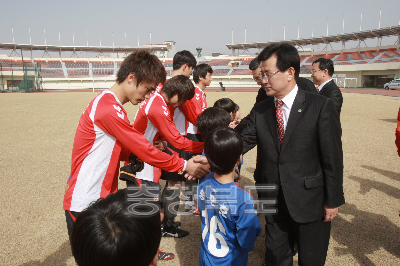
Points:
[[299, 110]]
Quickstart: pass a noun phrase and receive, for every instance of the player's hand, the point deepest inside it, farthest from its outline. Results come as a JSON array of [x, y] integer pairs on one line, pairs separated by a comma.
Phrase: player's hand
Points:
[[160, 145], [238, 175], [197, 167], [330, 213], [234, 123]]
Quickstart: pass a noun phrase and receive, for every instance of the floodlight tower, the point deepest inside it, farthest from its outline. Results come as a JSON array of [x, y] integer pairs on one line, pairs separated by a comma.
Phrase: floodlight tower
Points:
[[198, 49]]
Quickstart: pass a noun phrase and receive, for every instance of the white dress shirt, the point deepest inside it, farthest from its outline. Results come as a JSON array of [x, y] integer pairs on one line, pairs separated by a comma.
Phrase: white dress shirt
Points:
[[322, 85], [287, 105]]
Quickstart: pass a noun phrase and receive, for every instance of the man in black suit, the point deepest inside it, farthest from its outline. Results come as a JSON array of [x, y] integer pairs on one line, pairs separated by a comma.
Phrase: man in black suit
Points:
[[299, 137], [322, 71]]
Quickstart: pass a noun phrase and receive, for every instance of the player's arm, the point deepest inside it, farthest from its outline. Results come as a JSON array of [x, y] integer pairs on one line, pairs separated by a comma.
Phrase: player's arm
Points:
[[247, 225], [191, 110], [108, 120], [170, 133]]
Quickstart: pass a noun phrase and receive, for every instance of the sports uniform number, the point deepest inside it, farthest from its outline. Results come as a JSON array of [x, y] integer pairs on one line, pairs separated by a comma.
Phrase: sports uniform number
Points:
[[212, 226]]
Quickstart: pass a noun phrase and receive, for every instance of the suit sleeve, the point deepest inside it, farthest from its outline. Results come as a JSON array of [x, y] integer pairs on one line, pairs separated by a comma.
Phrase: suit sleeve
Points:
[[249, 134], [331, 154], [109, 121], [248, 225], [261, 96], [170, 133], [337, 99]]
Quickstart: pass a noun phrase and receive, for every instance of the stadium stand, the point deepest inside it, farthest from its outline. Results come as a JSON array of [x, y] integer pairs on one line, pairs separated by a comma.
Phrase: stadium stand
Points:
[[102, 72], [52, 73], [240, 72], [78, 73], [220, 72], [219, 62], [104, 64], [246, 62], [76, 64]]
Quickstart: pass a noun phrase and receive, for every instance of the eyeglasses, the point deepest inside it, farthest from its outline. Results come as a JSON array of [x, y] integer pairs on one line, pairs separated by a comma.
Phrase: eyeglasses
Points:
[[313, 71], [268, 75], [259, 79]]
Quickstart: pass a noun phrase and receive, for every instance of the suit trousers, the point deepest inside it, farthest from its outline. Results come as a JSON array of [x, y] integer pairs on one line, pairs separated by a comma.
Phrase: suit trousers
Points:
[[282, 232]]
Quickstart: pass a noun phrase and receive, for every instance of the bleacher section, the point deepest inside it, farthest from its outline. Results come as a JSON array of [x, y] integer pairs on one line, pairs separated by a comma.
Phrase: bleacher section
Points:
[[240, 72], [94, 68]]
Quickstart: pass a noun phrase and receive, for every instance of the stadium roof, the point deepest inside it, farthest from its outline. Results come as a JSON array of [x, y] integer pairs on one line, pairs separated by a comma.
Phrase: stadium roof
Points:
[[99, 49], [362, 35]]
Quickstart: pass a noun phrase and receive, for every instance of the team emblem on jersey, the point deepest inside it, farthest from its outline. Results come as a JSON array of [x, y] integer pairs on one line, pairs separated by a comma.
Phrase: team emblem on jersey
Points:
[[121, 115], [118, 108], [156, 198], [165, 110], [202, 195], [223, 210], [67, 185]]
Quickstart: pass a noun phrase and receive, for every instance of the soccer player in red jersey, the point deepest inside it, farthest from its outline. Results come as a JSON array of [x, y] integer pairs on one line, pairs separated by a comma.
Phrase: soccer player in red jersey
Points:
[[202, 77], [104, 137], [153, 119]]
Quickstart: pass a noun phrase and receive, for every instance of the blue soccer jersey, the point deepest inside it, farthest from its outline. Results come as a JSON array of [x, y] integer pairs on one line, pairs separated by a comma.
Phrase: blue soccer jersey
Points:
[[229, 223]]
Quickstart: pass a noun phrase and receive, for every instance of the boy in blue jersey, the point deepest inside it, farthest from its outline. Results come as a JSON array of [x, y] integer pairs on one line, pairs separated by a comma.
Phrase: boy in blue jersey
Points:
[[210, 119], [229, 223]]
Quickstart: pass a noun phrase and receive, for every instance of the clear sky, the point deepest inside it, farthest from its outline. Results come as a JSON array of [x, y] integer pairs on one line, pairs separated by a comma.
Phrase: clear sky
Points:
[[207, 24]]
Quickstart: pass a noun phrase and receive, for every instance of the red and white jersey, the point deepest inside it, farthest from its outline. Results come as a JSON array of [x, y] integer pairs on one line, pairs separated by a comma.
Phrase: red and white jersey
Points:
[[195, 106], [185, 116], [153, 120], [103, 136]]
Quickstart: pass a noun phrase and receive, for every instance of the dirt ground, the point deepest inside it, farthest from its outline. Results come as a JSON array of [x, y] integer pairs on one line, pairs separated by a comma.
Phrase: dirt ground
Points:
[[36, 137]]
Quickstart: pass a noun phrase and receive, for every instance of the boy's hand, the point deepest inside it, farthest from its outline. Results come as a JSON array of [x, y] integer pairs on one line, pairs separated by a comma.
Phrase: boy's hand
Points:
[[197, 167], [160, 145], [237, 176], [234, 123]]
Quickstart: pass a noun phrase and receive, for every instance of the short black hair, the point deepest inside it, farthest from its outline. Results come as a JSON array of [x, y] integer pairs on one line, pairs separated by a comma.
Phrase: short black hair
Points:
[[226, 104], [236, 108], [201, 70], [183, 57], [180, 85], [223, 147], [107, 233], [325, 63], [146, 67], [212, 118], [287, 56], [254, 64]]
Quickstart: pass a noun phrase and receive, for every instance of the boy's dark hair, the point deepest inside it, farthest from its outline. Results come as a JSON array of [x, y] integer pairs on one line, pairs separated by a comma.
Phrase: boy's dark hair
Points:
[[212, 118], [287, 56], [201, 70], [147, 68], [226, 104], [106, 233], [254, 64], [223, 147], [180, 85], [183, 57], [325, 64], [236, 107]]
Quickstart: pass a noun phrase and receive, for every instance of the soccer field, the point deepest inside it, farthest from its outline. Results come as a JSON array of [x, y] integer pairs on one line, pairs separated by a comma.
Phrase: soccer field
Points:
[[36, 137]]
